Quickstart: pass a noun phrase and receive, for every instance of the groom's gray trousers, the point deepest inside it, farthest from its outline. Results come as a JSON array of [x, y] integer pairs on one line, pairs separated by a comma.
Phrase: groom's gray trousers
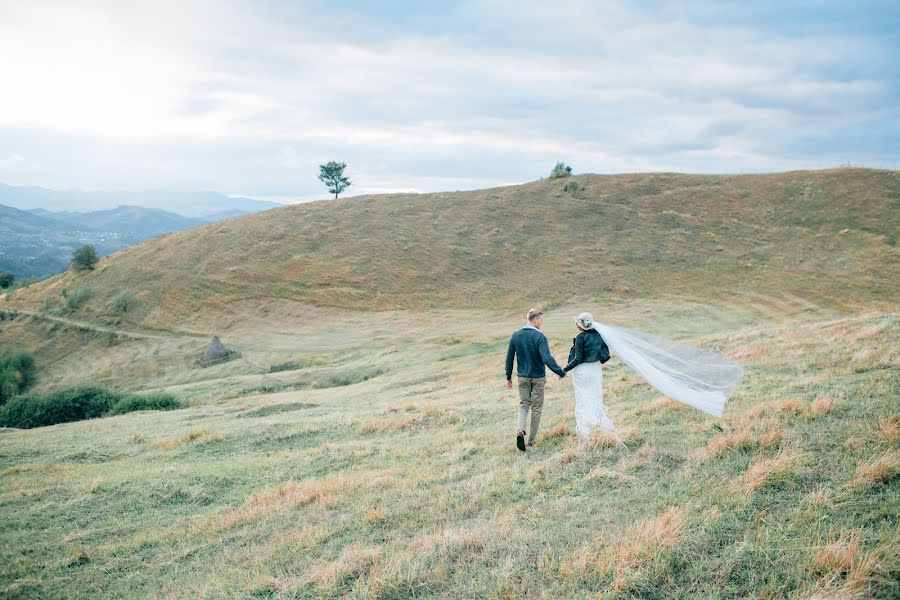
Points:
[[531, 396]]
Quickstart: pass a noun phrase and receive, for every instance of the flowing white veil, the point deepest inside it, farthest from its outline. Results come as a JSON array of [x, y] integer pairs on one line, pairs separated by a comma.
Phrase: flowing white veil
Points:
[[698, 378]]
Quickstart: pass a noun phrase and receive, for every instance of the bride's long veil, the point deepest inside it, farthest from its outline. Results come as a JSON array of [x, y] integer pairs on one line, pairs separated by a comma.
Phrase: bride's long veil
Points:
[[698, 378]]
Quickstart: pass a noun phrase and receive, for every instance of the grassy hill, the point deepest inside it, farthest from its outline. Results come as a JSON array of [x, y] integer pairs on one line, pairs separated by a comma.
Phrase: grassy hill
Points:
[[369, 453], [828, 236]]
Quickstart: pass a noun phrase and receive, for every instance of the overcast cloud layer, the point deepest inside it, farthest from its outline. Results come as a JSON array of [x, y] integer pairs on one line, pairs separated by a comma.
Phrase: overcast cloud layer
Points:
[[247, 98]]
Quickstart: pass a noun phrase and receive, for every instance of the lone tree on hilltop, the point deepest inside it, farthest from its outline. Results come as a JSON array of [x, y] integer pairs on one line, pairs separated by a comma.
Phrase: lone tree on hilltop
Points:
[[560, 170], [84, 258], [332, 175], [6, 280]]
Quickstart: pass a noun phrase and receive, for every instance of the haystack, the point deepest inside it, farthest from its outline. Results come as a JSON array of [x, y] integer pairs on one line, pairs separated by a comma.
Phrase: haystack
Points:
[[216, 352]]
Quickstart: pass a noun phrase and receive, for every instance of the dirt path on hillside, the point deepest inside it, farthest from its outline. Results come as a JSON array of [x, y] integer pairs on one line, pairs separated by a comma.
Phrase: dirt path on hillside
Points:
[[136, 335]]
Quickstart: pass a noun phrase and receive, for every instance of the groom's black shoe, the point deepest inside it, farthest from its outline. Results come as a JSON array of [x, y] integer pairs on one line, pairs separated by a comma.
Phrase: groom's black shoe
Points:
[[520, 441]]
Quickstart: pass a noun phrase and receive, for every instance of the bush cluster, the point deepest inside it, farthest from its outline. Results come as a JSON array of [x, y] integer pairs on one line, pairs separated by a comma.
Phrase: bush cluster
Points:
[[560, 169], [17, 372], [77, 404], [132, 402]]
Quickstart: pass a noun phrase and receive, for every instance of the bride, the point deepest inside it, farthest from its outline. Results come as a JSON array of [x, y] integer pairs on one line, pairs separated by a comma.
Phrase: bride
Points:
[[588, 352], [699, 378]]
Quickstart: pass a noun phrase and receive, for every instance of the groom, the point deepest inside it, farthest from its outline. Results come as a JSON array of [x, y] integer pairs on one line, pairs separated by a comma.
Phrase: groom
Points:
[[530, 349]]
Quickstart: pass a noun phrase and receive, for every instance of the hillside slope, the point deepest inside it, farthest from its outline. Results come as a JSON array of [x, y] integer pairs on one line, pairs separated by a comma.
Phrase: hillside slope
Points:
[[826, 235]]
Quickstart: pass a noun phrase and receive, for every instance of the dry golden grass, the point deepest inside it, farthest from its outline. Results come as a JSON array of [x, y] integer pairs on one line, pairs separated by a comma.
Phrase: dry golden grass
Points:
[[836, 556], [877, 471], [630, 553], [39, 467], [560, 431], [604, 473], [770, 471], [426, 414], [385, 425], [325, 492], [822, 405], [356, 560], [621, 436], [316, 259], [749, 435], [844, 570], [658, 408], [788, 406], [887, 430], [196, 436]]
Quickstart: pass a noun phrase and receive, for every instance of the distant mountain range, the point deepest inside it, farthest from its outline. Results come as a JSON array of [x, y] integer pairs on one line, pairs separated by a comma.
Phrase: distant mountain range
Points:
[[40, 228], [211, 206]]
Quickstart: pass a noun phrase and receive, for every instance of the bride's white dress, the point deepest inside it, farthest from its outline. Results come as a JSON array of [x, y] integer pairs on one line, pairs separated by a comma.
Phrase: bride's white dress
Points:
[[590, 413]]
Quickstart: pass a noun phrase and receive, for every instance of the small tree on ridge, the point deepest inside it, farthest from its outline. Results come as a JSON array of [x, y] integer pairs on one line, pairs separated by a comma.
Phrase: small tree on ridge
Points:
[[560, 170], [332, 175], [84, 258]]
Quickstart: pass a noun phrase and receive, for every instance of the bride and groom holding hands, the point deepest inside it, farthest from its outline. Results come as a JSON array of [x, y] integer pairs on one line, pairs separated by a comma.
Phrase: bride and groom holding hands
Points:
[[529, 348], [693, 376]]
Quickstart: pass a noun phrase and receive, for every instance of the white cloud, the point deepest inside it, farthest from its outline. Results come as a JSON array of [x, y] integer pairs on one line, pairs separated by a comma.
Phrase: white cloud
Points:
[[235, 97], [9, 162]]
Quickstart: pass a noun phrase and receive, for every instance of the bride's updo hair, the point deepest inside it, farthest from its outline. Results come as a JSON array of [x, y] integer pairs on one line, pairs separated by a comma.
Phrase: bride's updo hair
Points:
[[584, 321]]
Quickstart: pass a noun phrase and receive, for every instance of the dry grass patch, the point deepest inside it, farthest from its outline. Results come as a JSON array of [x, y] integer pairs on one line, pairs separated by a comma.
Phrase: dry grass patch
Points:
[[880, 470], [603, 473], [822, 405], [659, 407], [749, 435], [786, 406], [770, 471], [561, 431], [887, 430], [454, 541], [844, 570], [35, 468], [354, 562], [836, 556], [326, 492], [630, 554], [387, 425], [196, 436], [624, 436]]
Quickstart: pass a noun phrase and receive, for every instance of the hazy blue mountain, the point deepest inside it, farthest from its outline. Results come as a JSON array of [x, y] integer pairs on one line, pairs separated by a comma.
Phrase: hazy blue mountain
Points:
[[39, 243], [188, 204], [33, 245], [130, 221]]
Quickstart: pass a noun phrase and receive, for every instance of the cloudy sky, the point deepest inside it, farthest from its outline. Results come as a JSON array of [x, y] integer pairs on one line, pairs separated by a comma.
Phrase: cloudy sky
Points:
[[248, 98]]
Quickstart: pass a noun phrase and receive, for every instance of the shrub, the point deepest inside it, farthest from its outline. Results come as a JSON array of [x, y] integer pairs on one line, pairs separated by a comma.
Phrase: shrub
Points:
[[84, 259], [6, 280], [79, 296], [73, 404], [133, 402], [77, 404], [122, 303], [561, 169], [17, 372]]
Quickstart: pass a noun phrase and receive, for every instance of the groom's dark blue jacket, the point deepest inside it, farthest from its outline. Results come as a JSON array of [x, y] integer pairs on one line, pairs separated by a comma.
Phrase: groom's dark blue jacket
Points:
[[530, 349]]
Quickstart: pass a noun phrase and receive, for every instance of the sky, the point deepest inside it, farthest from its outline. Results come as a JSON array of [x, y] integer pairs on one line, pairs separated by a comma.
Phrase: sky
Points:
[[249, 97]]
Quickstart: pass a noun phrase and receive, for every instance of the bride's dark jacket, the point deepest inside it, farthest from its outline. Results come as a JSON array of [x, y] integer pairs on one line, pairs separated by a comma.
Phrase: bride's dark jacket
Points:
[[587, 347]]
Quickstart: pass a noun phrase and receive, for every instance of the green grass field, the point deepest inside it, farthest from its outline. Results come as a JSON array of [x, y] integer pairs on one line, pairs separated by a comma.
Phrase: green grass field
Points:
[[362, 446], [408, 484]]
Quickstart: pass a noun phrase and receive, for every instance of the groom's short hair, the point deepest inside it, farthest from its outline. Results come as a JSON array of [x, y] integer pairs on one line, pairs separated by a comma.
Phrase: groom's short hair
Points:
[[533, 314]]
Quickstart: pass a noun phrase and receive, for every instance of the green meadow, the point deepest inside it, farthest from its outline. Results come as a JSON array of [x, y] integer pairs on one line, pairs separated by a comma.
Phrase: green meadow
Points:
[[408, 484]]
